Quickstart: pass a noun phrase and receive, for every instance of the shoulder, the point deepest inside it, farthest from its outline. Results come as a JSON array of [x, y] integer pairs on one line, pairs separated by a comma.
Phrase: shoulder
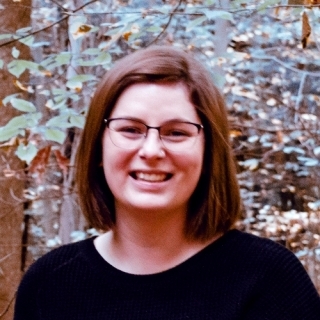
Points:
[[262, 257], [252, 247], [59, 258], [50, 271], [281, 286]]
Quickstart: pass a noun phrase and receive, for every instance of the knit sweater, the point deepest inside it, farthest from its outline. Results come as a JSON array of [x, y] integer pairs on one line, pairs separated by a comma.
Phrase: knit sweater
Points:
[[239, 276]]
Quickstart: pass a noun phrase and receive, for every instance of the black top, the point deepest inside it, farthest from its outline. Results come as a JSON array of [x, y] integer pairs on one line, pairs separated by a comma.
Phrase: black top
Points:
[[239, 276]]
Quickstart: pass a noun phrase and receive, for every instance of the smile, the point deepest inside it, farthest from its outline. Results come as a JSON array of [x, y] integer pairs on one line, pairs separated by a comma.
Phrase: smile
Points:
[[151, 177]]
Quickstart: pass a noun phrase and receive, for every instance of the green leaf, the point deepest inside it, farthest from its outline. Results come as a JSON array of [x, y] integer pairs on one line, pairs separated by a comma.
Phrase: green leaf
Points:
[[23, 105], [47, 62], [264, 5], [308, 162], [289, 150], [154, 29], [75, 85], [115, 31], [7, 99], [63, 58], [55, 135], [28, 41], [77, 121], [7, 133], [61, 92], [92, 51], [103, 58], [54, 105], [214, 15], [126, 19], [192, 24], [33, 118], [316, 151], [26, 153], [60, 121], [83, 78], [23, 31], [15, 52], [30, 65], [13, 128], [88, 63], [251, 164], [5, 36], [16, 68], [1, 63], [40, 44], [164, 10]]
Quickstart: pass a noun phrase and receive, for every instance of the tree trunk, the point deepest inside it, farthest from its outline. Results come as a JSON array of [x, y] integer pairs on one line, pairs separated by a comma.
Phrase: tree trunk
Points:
[[13, 16], [221, 41]]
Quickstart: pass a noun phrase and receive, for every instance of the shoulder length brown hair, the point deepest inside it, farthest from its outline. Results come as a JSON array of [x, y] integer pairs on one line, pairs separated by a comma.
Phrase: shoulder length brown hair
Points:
[[215, 204]]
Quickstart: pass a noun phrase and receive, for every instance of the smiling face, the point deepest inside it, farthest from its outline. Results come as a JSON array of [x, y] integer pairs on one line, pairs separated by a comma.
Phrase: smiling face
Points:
[[150, 177]]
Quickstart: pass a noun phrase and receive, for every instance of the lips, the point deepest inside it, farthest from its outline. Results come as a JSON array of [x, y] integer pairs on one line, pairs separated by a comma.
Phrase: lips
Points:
[[150, 177]]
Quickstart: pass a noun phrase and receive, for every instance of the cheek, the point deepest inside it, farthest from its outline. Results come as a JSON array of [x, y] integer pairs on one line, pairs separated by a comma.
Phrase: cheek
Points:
[[115, 161], [191, 164]]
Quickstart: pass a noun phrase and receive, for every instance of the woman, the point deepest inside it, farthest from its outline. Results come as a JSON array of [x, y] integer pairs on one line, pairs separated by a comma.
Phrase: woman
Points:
[[155, 173]]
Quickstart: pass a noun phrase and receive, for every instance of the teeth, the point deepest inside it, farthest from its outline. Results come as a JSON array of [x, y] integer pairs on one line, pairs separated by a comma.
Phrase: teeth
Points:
[[153, 177]]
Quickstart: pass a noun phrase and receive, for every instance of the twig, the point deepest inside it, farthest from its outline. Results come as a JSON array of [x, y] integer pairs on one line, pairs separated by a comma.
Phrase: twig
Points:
[[299, 97], [312, 74], [8, 306], [5, 257], [58, 4], [167, 25]]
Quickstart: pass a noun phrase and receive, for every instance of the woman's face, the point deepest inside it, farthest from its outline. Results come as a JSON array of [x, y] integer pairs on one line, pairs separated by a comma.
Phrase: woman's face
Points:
[[151, 177]]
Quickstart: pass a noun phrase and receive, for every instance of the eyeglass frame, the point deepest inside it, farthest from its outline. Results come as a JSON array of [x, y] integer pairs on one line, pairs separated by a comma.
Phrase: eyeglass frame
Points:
[[197, 125]]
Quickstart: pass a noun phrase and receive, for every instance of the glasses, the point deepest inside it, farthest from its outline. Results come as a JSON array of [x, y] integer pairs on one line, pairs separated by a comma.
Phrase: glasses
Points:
[[175, 135]]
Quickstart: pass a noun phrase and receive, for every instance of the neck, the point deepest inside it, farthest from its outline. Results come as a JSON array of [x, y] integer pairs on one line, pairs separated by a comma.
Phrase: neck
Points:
[[150, 229], [147, 242]]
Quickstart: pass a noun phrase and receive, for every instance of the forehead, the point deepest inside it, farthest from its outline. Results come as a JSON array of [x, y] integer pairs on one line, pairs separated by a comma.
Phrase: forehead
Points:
[[148, 101]]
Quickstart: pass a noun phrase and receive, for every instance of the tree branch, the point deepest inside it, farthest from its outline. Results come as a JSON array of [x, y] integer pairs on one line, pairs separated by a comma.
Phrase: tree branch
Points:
[[312, 74], [67, 14], [167, 25]]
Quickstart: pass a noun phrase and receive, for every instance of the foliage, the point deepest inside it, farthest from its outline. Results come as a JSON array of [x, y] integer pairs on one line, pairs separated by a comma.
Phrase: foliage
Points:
[[271, 67]]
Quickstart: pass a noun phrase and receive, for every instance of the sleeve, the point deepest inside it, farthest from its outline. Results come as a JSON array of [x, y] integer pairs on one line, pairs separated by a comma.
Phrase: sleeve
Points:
[[287, 292]]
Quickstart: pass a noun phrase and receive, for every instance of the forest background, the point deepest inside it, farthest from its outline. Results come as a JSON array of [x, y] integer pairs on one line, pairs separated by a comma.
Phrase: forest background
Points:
[[264, 55]]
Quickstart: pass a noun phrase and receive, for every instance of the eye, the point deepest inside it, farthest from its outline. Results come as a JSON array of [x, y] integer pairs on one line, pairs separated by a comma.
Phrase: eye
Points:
[[130, 129], [175, 132]]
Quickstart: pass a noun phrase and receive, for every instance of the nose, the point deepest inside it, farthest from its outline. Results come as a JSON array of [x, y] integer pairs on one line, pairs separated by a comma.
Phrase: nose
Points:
[[152, 146]]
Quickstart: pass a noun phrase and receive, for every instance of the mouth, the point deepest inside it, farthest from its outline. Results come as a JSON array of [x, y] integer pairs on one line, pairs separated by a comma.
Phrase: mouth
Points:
[[150, 177]]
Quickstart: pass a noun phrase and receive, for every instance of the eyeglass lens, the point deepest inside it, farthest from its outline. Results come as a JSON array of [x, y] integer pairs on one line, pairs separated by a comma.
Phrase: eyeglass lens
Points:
[[175, 135]]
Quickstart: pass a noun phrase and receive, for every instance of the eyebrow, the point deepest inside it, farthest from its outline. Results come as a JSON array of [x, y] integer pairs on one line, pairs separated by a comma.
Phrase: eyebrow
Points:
[[165, 122]]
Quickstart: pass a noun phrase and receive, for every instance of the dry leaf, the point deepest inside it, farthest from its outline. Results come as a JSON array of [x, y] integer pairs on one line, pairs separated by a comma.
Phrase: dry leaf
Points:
[[306, 30], [235, 133], [126, 35], [39, 162], [63, 162], [279, 136], [19, 85], [79, 29]]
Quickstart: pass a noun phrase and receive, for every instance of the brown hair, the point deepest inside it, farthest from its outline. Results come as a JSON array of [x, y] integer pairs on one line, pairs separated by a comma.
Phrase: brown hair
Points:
[[215, 204]]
